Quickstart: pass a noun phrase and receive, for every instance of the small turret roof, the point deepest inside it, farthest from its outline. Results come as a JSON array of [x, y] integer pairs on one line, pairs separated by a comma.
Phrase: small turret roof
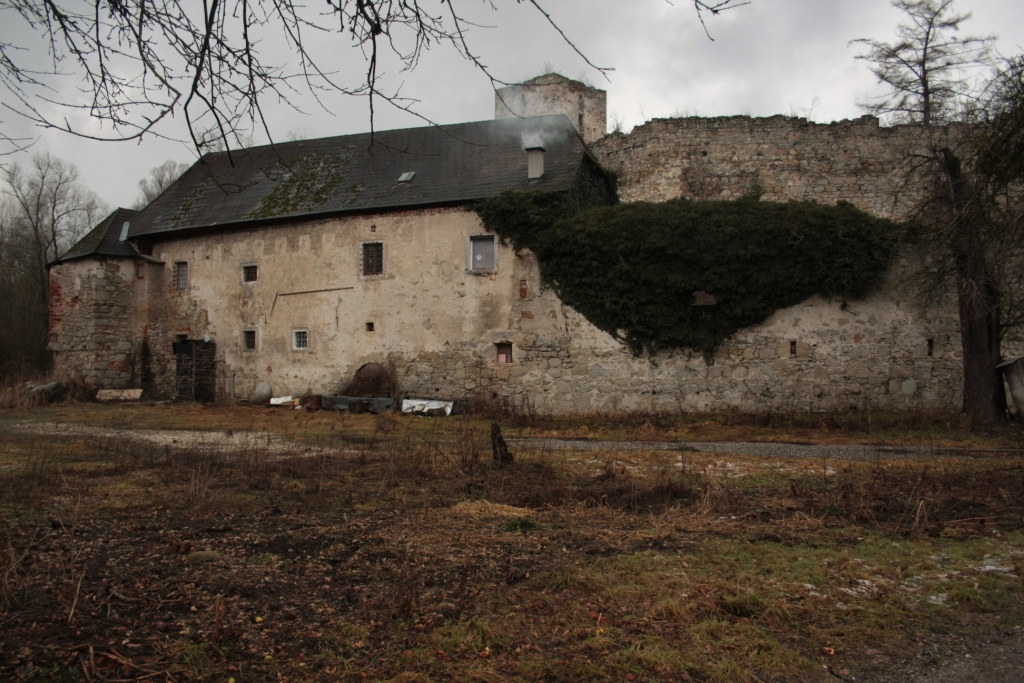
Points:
[[104, 239]]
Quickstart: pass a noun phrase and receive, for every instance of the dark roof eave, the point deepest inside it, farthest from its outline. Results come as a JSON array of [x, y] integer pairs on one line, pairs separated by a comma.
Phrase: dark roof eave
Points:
[[191, 231]]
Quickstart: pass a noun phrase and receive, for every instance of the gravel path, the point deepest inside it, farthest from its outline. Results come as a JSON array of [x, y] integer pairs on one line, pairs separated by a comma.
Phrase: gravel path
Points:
[[176, 439], [763, 449], [242, 440]]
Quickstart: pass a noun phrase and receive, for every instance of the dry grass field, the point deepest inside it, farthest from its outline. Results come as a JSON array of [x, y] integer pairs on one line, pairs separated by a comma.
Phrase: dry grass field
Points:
[[188, 543]]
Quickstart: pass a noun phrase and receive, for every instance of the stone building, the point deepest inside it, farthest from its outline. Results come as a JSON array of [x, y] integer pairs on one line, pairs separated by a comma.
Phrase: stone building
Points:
[[585, 106], [305, 261]]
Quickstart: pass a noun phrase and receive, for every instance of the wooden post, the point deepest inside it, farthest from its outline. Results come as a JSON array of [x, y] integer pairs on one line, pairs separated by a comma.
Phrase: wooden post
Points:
[[499, 449]]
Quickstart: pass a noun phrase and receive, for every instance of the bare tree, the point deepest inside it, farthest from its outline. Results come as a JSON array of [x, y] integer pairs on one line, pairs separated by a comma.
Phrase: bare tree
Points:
[[970, 231], [157, 180], [44, 210], [928, 70], [970, 221], [145, 62]]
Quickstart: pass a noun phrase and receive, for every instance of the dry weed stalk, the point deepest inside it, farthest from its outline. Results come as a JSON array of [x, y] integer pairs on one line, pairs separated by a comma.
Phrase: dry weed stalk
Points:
[[198, 484], [69, 562]]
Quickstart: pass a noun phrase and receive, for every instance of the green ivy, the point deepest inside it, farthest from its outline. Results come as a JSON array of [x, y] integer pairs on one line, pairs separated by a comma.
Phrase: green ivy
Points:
[[633, 269]]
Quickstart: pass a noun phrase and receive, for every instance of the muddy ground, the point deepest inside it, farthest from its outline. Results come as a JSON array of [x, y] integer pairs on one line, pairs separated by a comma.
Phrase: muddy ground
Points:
[[184, 556]]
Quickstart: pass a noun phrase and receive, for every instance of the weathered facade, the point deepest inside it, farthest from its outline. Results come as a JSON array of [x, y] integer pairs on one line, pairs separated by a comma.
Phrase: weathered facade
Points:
[[314, 275]]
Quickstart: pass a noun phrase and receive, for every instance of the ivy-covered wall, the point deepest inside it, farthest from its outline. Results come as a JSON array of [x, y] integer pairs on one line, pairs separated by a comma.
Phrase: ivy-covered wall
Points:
[[684, 274]]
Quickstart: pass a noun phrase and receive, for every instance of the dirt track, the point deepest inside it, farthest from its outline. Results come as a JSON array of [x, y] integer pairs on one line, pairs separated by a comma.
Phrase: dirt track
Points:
[[235, 439]]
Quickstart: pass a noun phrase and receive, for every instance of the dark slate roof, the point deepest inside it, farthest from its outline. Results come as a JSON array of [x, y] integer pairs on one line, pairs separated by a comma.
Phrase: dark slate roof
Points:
[[104, 239], [310, 178]]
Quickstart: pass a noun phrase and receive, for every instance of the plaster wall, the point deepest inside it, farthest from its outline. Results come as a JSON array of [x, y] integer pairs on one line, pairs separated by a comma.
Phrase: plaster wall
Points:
[[426, 304], [438, 325]]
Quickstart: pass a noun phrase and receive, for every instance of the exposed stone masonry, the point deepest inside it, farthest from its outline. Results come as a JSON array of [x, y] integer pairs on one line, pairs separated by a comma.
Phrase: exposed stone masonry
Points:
[[781, 157], [92, 302]]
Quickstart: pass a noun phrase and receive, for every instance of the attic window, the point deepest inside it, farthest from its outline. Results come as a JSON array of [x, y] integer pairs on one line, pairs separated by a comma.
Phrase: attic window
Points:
[[407, 176], [535, 163], [124, 230]]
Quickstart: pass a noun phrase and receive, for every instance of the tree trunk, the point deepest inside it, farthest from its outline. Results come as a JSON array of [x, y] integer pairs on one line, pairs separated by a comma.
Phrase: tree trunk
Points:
[[984, 398]]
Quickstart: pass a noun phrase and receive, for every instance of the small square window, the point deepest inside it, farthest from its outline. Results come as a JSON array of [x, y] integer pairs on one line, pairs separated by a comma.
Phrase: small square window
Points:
[[250, 273], [482, 254], [249, 340], [373, 258], [369, 327], [181, 274], [300, 339], [504, 352]]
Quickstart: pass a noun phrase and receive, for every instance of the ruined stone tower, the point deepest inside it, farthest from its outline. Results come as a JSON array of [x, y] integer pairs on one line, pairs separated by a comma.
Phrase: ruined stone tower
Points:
[[585, 106]]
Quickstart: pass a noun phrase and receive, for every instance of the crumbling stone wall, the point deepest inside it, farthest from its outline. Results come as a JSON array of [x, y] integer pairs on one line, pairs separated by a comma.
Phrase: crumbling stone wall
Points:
[[781, 158], [888, 351], [91, 320], [884, 352]]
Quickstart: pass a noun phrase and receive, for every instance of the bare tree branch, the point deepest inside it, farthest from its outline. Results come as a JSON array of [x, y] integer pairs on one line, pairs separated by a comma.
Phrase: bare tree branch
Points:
[[928, 71], [135, 64]]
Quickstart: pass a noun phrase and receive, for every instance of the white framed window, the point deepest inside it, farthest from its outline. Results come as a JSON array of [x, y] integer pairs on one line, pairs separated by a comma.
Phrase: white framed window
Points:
[[481, 253], [300, 340], [248, 340], [250, 273], [181, 274]]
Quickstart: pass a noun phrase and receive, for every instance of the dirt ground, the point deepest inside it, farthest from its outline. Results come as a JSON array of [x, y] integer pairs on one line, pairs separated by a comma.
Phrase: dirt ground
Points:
[[391, 550]]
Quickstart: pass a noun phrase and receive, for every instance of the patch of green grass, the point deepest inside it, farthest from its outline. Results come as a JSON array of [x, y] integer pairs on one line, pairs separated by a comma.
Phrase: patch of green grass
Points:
[[520, 525]]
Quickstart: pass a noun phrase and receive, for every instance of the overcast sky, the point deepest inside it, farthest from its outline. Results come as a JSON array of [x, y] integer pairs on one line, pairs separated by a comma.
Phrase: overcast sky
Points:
[[769, 57]]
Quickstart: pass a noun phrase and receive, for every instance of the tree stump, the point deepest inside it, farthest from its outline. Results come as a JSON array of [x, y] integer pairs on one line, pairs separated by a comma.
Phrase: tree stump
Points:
[[499, 449]]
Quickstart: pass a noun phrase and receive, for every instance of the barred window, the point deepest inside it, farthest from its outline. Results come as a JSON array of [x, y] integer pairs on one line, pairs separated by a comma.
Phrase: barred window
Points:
[[300, 339], [250, 273], [373, 258], [249, 340], [181, 274]]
